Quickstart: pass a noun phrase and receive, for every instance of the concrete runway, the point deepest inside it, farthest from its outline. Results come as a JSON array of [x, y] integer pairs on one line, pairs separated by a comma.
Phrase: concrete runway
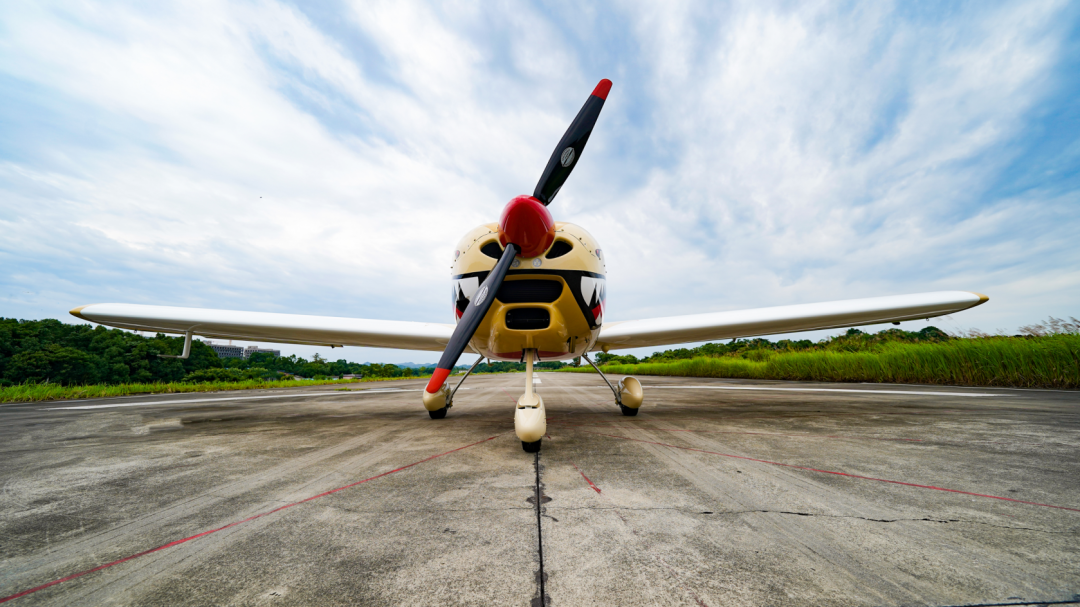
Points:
[[719, 492]]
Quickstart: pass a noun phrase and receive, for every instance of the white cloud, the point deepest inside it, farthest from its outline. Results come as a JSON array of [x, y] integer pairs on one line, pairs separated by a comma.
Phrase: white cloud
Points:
[[248, 156]]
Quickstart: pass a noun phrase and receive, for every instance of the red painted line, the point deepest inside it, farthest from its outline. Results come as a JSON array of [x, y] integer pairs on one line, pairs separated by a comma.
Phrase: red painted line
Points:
[[595, 488], [868, 478], [659, 558], [250, 518]]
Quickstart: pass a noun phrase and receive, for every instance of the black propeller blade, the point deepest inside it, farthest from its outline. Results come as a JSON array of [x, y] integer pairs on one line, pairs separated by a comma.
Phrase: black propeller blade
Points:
[[470, 319], [567, 153]]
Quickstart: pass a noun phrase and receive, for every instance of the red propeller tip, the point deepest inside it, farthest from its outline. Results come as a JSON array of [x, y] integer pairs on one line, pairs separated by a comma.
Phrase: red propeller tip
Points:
[[437, 378], [602, 89]]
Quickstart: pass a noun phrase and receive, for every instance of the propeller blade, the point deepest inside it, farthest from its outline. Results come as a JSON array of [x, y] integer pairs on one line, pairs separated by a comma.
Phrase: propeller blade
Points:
[[470, 319], [567, 153]]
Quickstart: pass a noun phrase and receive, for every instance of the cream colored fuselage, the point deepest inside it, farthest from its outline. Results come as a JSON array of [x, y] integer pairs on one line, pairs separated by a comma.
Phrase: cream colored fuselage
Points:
[[567, 285]]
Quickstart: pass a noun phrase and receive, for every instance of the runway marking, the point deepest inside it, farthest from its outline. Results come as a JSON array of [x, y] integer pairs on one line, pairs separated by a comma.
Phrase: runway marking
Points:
[[233, 524], [900, 392], [210, 400], [868, 478], [595, 488], [671, 570]]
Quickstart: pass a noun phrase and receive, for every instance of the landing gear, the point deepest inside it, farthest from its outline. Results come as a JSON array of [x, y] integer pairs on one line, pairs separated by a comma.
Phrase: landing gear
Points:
[[530, 418], [628, 395], [445, 396]]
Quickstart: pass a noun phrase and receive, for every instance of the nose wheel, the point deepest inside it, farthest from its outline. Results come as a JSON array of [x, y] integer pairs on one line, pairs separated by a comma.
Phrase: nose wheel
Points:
[[437, 413], [533, 447], [627, 411]]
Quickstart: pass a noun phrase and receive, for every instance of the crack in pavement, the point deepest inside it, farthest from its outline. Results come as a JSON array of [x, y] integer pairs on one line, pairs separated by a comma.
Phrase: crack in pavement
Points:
[[1073, 601], [815, 514], [430, 510], [538, 502]]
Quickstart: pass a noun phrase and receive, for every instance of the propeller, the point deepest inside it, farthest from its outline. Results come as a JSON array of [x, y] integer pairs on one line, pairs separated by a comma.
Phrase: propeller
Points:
[[566, 154], [526, 228]]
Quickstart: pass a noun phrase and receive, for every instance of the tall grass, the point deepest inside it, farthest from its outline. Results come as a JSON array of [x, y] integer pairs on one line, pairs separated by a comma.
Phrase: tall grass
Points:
[[42, 392], [1042, 362]]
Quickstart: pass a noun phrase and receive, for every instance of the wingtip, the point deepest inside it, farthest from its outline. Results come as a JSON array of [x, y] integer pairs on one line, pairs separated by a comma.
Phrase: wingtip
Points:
[[602, 89], [982, 298], [77, 312]]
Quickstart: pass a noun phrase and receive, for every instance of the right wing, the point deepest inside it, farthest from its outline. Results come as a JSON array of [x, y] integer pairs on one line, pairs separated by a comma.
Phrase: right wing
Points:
[[270, 327], [782, 319]]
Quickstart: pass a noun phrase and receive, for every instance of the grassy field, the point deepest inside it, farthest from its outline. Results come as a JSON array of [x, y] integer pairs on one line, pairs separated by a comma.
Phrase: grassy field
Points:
[[1038, 362], [42, 392]]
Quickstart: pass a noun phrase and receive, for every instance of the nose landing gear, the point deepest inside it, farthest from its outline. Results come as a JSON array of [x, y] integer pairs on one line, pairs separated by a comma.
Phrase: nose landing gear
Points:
[[530, 418]]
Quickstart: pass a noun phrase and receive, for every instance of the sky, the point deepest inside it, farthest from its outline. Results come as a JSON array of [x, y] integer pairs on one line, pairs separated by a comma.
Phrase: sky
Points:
[[325, 159]]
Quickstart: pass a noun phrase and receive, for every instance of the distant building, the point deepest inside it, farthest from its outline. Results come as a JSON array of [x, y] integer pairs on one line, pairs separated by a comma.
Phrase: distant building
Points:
[[248, 351], [227, 350], [231, 351]]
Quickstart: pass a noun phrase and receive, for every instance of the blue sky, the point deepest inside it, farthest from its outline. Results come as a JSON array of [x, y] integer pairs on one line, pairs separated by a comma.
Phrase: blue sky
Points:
[[277, 157]]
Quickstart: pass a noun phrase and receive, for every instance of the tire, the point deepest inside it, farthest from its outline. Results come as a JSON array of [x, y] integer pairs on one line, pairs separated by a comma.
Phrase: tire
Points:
[[627, 411], [438, 413], [531, 447]]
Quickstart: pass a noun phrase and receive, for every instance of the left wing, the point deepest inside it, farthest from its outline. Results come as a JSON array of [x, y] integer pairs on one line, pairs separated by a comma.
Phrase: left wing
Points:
[[782, 319], [266, 326]]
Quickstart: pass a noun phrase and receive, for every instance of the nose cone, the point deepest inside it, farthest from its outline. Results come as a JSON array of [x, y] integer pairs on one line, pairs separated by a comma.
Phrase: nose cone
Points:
[[527, 223]]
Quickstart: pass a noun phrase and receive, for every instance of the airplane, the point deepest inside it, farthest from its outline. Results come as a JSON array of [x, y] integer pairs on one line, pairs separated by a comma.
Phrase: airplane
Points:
[[528, 288]]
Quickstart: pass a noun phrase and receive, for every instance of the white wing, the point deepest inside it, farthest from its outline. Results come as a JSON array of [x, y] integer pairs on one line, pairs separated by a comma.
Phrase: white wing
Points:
[[782, 319], [265, 326]]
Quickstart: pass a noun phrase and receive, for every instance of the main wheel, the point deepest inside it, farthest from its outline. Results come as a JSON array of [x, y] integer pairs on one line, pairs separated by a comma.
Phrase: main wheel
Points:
[[437, 413], [628, 411], [531, 447]]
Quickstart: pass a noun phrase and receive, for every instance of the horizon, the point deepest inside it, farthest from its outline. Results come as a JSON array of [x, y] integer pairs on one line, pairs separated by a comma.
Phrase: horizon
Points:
[[325, 161]]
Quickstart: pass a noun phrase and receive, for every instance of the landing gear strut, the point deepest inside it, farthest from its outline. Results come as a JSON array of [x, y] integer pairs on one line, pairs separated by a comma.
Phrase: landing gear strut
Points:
[[628, 395], [447, 396], [530, 418]]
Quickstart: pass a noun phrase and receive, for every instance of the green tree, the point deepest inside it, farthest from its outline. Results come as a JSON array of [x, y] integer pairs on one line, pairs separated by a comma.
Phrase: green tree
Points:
[[53, 364]]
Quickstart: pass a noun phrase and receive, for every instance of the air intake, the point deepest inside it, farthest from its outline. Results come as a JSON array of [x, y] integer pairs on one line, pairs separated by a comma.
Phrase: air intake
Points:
[[527, 319], [529, 291], [560, 248], [492, 249]]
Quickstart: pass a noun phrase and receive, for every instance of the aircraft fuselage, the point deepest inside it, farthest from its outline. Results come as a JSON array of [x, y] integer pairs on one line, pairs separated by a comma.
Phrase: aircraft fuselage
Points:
[[552, 303]]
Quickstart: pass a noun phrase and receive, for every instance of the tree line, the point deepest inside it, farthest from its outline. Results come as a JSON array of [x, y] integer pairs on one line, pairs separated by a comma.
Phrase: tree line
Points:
[[852, 341], [49, 351]]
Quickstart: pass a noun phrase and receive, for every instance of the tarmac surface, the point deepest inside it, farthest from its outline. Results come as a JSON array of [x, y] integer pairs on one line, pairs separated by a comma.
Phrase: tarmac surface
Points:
[[720, 492]]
